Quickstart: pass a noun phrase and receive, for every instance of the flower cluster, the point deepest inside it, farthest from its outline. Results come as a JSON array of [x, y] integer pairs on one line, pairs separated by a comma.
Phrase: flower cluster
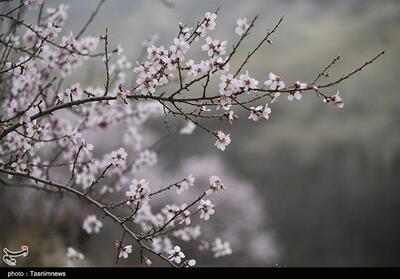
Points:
[[138, 192], [51, 125]]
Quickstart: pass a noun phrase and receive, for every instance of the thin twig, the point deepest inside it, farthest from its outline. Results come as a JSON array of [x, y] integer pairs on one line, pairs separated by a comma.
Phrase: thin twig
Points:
[[90, 19]]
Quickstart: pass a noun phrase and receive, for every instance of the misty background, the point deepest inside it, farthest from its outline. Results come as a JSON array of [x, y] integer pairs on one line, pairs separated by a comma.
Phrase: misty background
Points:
[[321, 183]]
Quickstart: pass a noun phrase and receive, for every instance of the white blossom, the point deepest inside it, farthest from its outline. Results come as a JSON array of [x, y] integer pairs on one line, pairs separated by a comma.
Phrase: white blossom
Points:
[[139, 191], [192, 68], [176, 255], [188, 233], [225, 102], [86, 147], [204, 66], [338, 101], [118, 157], [275, 83], [204, 109], [189, 263], [75, 92], [50, 31], [122, 95], [229, 85], [335, 99], [247, 82], [220, 248], [207, 24], [33, 4], [19, 166], [222, 141], [148, 262], [209, 46], [147, 86], [188, 128], [259, 112], [185, 184], [145, 70], [242, 26], [74, 255], [91, 224], [179, 49], [206, 209], [210, 20], [125, 251], [184, 214], [215, 185], [296, 94]]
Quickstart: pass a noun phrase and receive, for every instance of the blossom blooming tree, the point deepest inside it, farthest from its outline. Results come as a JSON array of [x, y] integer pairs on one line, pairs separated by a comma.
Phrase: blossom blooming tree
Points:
[[44, 120]]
